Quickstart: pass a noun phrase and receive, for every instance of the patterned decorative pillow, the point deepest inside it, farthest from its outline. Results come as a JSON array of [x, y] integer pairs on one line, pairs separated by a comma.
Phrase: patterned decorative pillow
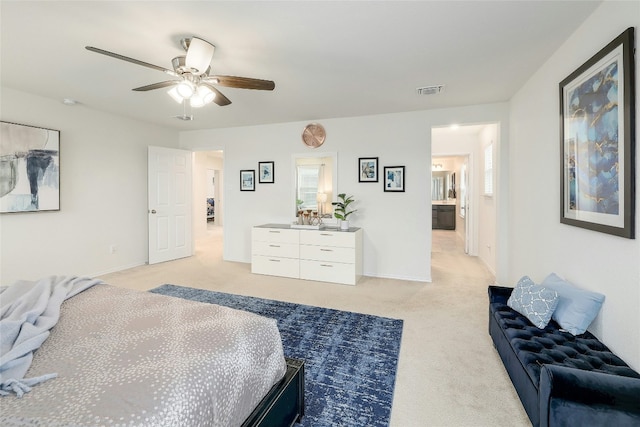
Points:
[[535, 302]]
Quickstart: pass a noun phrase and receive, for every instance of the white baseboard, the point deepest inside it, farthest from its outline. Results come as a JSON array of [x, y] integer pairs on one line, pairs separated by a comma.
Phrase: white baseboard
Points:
[[116, 269]]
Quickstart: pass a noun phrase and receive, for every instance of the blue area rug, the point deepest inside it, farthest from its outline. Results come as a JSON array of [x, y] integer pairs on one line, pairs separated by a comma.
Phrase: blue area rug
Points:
[[350, 358]]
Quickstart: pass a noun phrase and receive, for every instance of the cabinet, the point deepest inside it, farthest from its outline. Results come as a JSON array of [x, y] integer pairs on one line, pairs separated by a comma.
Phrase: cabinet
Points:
[[275, 251], [321, 255], [443, 217]]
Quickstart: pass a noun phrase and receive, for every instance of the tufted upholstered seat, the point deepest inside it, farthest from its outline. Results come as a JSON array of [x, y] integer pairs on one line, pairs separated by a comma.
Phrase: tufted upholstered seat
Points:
[[531, 354], [536, 347]]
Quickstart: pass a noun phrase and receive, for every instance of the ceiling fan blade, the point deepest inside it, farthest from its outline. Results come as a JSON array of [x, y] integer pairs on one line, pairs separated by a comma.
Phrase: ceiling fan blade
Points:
[[158, 85], [243, 82], [199, 55], [133, 61], [220, 99]]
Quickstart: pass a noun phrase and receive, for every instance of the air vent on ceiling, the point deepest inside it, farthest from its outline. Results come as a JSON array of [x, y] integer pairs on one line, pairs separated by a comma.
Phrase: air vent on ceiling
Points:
[[430, 90]]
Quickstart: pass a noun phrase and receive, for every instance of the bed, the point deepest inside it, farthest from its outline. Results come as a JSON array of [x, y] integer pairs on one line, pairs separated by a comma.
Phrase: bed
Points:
[[126, 357]]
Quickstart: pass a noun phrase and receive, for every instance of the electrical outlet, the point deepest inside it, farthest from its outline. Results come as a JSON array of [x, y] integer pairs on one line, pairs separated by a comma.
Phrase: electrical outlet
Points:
[[113, 249]]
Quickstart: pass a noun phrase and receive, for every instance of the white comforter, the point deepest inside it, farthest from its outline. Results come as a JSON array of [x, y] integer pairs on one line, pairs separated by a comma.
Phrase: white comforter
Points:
[[28, 310], [126, 357]]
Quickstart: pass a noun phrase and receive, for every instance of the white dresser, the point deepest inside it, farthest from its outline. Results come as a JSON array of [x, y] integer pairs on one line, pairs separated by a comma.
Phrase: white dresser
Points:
[[323, 255]]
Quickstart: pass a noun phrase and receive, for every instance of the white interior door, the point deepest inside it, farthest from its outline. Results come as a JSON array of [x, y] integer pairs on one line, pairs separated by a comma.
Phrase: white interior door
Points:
[[169, 188]]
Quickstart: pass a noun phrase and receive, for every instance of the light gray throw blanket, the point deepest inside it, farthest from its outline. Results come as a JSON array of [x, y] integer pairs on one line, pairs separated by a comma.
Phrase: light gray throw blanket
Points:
[[28, 310]]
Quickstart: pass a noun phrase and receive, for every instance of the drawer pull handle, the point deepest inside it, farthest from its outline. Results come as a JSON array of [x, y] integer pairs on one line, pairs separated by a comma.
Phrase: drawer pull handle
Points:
[[326, 250], [274, 260], [273, 231], [326, 234], [326, 265], [274, 246]]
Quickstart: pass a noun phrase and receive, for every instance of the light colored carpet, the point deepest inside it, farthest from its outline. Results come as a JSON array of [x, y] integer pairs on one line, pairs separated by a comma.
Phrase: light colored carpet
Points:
[[448, 372]]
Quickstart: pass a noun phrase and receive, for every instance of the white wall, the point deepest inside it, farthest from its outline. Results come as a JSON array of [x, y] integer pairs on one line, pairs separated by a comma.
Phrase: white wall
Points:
[[539, 243], [397, 226], [199, 189], [103, 191], [487, 219]]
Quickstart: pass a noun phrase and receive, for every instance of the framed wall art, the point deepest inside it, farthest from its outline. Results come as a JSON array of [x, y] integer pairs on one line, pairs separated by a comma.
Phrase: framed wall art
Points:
[[394, 178], [266, 173], [247, 180], [29, 168], [597, 131], [368, 169]]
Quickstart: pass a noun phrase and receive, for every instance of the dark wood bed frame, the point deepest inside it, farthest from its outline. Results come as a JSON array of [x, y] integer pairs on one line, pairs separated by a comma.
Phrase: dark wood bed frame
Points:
[[284, 404]]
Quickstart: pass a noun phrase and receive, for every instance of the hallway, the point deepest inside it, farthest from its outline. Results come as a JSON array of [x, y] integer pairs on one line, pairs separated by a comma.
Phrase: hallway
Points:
[[446, 241]]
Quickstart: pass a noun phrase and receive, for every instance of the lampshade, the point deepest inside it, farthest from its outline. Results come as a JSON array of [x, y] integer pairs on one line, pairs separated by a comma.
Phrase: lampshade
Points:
[[202, 97], [199, 55], [321, 197], [185, 89], [173, 93]]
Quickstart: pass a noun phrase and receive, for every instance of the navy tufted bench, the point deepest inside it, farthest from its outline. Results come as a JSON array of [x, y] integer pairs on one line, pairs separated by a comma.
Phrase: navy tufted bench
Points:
[[562, 379]]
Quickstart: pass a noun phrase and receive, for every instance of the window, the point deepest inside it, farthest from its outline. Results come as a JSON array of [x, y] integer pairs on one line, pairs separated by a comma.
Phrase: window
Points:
[[308, 177], [488, 170]]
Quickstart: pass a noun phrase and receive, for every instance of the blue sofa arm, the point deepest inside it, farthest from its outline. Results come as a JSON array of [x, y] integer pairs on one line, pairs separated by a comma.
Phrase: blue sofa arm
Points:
[[499, 294], [574, 397]]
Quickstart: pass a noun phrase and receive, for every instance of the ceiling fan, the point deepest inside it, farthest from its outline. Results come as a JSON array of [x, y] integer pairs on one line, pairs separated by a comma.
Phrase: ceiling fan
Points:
[[193, 81]]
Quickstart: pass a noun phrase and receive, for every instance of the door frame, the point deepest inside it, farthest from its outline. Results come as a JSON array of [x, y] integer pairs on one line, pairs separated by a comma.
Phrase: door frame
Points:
[[471, 234]]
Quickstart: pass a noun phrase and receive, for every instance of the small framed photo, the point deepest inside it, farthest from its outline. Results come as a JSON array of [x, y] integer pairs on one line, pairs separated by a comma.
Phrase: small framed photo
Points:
[[247, 180], [394, 178], [265, 173], [368, 169]]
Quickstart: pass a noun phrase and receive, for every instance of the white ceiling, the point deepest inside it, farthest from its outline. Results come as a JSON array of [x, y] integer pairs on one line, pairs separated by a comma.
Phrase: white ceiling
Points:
[[328, 58]]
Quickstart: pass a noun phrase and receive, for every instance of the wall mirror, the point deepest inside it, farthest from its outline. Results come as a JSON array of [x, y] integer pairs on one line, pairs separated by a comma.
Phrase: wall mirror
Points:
[[442, 185], [315, 182]]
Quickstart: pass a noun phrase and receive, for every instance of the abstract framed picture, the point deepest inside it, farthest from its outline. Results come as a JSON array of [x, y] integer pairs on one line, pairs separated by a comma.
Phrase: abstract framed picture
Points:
[[29, 168], [394, 178], [597, 147], [368, 169], [247, 180], [266, 173]]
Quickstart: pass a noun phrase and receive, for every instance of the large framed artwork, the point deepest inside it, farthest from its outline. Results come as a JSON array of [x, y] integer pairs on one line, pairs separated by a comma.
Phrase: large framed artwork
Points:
[[29, 168], [597, 146]]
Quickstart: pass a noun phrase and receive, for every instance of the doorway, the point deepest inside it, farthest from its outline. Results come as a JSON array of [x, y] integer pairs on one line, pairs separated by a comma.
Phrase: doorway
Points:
[[208, 197], [462, 150], [449, 200]]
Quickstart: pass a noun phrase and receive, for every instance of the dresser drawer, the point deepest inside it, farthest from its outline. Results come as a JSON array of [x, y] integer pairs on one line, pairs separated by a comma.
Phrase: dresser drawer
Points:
[[273, 266], [276, 249], [328, 238], [324, 271], [275, 235], [328, 253]]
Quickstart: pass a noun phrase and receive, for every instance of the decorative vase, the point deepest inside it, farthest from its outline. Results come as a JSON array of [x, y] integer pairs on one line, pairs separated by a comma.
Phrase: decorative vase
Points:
[[344, 224]]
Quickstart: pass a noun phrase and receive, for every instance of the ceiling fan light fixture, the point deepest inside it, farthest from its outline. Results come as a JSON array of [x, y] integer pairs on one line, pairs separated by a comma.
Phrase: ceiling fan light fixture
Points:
[[173, 93], [199, 55], [202, 97], [185, 89]]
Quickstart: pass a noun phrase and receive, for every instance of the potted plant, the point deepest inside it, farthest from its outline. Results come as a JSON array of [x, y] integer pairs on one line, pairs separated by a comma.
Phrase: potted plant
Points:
[[341, 210], [299, 215]]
